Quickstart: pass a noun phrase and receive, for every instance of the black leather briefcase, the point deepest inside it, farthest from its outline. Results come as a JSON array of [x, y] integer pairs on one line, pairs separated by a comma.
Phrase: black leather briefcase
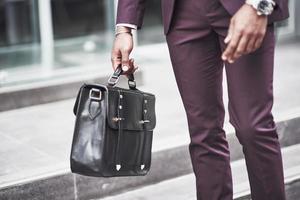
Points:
[[113, 129]]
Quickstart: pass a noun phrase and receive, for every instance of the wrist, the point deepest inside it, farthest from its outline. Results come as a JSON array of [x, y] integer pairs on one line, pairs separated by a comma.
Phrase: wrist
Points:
[[123, 29], [255, 14], [119, 33]]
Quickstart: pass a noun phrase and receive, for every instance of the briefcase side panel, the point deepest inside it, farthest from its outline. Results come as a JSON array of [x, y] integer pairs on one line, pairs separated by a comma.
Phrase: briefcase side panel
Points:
[[88, 138]]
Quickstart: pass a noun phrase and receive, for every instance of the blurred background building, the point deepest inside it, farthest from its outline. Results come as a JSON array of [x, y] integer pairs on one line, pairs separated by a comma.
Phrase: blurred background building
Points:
[[53, 37]]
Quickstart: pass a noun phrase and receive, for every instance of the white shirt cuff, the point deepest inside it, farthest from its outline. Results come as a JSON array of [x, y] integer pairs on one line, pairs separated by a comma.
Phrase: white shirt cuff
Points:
[[128, 25]]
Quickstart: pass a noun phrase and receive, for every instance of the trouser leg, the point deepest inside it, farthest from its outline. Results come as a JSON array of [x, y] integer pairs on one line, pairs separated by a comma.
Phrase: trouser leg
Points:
[[199, 78], [250, 91], [195, 56]]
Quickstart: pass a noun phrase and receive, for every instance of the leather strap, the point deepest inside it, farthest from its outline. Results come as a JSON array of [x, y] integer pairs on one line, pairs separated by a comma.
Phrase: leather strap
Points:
[[120, 131], [143, 144], [114, 78]]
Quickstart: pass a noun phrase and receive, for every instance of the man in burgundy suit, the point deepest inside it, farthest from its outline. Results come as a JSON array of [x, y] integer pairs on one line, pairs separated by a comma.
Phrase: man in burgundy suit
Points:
[[202, 37]]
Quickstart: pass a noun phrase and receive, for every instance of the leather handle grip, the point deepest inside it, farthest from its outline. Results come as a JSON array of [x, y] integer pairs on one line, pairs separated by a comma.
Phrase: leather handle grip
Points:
[[114, 78]]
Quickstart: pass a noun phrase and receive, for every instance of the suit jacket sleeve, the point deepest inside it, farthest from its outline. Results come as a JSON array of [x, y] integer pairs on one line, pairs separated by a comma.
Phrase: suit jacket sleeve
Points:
[[131, 12]]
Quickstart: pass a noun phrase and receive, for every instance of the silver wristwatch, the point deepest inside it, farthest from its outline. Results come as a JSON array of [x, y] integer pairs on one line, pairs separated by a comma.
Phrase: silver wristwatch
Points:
[[263, 7]]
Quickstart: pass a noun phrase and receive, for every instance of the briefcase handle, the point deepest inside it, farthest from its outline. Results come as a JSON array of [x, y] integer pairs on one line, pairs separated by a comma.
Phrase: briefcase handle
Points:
[[114, 78]]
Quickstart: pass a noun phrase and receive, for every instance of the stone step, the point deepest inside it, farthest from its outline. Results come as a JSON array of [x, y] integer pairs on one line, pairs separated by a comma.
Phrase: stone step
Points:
[[183, 187]]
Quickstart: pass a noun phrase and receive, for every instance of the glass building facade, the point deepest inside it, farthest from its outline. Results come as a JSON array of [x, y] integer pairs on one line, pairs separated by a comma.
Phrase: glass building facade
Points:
[[19, 33], [45, 36]]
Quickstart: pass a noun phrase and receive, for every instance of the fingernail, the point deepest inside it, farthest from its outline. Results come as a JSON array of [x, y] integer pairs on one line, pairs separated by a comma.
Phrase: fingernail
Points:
[[226, 40], [125, 68], [224, 57]]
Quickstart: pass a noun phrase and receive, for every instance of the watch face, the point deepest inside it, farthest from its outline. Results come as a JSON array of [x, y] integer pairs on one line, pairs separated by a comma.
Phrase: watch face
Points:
[[263, 6]]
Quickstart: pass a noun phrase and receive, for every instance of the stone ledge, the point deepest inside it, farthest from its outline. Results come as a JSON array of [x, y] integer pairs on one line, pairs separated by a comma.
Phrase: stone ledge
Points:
[[51, 91]]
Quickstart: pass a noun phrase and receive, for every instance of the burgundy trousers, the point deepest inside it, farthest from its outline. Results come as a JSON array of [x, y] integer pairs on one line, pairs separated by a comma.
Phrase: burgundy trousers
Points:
[[195, 42]]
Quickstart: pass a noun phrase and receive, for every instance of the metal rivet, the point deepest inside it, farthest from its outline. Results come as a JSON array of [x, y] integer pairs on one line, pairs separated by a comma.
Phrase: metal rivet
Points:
[[145, 101], [118, 167], [115, 119], [142, 166], [120, 107], [121, 96], [145, 111]]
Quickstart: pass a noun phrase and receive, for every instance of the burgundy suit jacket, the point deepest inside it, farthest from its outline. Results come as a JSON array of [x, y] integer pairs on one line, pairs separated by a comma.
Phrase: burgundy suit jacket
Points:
[[132, 11]]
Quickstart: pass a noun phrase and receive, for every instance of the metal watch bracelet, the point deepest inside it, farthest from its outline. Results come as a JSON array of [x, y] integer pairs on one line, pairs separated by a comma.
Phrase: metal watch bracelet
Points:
[[263, 7]]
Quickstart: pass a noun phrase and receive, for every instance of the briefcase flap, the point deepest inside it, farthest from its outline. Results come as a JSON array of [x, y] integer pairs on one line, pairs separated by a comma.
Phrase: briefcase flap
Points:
[[138, 109]]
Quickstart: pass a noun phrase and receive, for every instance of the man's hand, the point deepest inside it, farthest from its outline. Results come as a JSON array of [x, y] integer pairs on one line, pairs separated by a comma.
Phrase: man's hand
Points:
[[122, 47], [245, 34]]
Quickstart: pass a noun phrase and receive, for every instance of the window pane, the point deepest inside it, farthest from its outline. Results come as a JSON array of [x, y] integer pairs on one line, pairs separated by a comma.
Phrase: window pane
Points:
[[18, 22], [19, 36], [73, 18], [80, 31]]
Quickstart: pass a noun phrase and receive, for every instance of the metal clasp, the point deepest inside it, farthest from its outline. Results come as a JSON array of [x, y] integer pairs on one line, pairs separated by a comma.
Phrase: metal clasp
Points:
[[144, 121], [116, 119], [113, 80], [95, 94], [132, 84], [118, 167]]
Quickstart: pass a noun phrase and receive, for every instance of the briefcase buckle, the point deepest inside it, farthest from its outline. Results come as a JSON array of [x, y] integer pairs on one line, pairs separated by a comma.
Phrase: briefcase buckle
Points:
[[95, 94]]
